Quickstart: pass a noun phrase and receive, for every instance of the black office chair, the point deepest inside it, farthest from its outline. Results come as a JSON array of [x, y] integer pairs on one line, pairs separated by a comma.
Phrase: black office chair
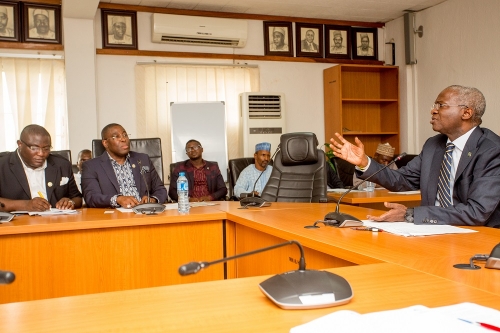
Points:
[[235, 167], [150, 146], [299, 173], [407, 158], [64, 153]]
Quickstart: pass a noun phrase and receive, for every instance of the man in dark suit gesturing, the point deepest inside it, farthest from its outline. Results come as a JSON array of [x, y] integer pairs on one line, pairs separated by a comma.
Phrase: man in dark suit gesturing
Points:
[[458, 171], [32, 179], [114, 179]]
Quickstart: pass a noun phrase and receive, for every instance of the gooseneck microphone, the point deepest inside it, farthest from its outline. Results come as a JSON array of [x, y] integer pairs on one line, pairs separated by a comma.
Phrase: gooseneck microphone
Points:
[[298, 289], [7, 277], [337, 217], [147, 208]]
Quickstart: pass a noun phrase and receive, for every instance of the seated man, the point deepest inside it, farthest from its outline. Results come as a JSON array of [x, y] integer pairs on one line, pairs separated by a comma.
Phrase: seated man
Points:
[[114, 179], [384, 156], [204, 177], [332, 179], [247, 178], [83, 156], [32, 179]]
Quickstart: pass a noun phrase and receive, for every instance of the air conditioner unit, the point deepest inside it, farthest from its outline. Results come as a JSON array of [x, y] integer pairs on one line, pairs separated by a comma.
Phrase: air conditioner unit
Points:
[[198, 30], [262, 120]]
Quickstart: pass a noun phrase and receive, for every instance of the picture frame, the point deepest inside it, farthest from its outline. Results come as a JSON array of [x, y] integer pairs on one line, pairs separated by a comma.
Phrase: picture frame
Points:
[[309, 40], [9, 21], [364, 41], [41, 23], [119, 29], [337, 41], [278, 40]]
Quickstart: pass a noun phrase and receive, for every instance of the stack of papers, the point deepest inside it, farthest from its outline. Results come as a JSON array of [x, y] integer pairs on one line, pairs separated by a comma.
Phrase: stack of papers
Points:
[[407, 192], [410, 229], [457, 318], [52, 211]]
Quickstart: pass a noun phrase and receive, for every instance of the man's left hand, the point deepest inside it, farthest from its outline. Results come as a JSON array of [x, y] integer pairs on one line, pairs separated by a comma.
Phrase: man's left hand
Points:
[[65, 203], [145, 199], [396, 214]]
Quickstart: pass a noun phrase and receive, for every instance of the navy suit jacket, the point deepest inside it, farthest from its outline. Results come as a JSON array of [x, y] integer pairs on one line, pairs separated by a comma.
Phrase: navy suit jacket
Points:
[[477, 181], [14, 184], [99, 182]]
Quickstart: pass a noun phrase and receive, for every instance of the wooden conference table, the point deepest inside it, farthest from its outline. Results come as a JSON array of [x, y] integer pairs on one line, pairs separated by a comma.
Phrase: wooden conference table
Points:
[[376, 198], [95, 252]]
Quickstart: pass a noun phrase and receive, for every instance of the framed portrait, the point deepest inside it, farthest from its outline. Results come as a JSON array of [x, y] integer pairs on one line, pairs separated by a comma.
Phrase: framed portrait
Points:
[[364, 41], [278, 38], [41, 23], [309, 40], [119, 29], [9, 21], [337, 42]]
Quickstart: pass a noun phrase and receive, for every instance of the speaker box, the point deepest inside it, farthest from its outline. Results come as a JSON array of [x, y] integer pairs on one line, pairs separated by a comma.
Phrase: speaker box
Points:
[[409, 39]]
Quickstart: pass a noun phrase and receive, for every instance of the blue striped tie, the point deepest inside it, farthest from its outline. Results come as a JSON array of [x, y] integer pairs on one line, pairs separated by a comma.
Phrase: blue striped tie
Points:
[[444, 188]]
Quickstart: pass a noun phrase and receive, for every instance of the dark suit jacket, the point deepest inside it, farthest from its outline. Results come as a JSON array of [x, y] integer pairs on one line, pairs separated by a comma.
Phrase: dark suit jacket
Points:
[[99, 182], [14, 184], [477, 181], [305, 46]]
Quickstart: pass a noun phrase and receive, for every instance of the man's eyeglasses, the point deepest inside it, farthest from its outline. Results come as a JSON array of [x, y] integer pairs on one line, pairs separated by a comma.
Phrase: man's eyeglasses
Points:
[[190, 149], [37, 149], [118, 137], [437, 106]]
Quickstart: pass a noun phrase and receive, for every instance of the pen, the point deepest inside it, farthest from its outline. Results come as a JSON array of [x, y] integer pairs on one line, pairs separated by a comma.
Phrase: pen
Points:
[[40, 194], [368, 229], [487, 326]]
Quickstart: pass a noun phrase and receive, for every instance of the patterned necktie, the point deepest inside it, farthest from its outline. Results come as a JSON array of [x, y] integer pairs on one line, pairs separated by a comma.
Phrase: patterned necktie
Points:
[[444, 192]]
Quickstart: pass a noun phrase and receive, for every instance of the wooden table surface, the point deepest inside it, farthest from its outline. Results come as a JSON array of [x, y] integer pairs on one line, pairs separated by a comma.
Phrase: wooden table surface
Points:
[[377, 196], [235, 305]]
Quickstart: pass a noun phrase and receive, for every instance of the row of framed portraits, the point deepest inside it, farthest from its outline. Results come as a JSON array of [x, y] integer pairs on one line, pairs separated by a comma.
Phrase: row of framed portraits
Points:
[[30, 22], [339, 42]]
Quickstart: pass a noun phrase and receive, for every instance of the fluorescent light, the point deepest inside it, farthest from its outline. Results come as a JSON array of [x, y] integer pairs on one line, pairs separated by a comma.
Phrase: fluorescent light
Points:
[[31, 56]]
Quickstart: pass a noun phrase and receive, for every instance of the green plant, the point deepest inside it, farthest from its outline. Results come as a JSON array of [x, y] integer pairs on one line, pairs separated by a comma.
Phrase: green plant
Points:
[[329, 155]]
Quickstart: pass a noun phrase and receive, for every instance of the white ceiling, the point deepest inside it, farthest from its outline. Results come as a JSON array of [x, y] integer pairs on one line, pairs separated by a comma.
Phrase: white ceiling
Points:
[[346, 10]]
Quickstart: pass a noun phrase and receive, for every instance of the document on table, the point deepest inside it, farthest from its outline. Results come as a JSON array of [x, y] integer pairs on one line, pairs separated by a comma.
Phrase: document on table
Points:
[[457, 318], [410, 229], [342, 190], [406, 192], [172, 206], [52, 211]]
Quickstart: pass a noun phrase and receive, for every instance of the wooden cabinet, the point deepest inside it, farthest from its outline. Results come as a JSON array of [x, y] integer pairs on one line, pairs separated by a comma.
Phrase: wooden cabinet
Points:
[[362, 101]]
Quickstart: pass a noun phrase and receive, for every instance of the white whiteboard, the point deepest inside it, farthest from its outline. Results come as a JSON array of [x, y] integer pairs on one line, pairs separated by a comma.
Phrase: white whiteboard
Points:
[[204, 122]]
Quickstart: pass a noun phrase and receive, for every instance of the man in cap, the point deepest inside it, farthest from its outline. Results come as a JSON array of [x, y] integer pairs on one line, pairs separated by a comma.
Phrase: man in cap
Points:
[[4, 20], [278, 43], [41, 23], [118, 31], [384, 156], [337, 46], [249, 175], [365, 49]]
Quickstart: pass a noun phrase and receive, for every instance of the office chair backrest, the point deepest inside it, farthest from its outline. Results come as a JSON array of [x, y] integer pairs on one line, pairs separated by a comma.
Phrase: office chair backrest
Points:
[[149, 146], [64, 153], [299, 173], [235, 167]]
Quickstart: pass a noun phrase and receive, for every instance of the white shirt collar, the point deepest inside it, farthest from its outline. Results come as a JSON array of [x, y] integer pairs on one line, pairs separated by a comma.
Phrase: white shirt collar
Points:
[[462, 140]]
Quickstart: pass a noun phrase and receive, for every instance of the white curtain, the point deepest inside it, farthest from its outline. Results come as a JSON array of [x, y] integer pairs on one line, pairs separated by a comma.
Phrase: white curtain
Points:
[[157, 86], [33, 91]]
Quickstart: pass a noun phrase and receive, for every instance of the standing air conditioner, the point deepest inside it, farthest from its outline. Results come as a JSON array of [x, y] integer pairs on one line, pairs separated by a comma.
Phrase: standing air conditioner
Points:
[[263, 119]]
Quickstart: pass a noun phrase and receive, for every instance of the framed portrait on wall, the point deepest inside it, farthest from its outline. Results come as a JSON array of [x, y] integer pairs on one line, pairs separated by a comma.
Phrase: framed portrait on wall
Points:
[[41, 23], [9, 21], [309, 40], [278, 38], [364, 42], [119, 29], [337, 42]]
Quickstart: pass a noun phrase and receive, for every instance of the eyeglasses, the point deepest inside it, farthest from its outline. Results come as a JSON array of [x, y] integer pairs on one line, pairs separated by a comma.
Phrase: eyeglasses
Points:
[[37, 149], [190, 149], [437, 106], [118, 137]]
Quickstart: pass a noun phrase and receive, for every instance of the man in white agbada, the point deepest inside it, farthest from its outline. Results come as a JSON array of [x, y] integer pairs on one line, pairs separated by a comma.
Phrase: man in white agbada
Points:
[[249, 175]]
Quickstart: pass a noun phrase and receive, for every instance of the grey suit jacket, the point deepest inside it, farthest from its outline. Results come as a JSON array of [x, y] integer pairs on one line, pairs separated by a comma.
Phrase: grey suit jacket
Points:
[[476, 192], [14, 184], [99, 182]]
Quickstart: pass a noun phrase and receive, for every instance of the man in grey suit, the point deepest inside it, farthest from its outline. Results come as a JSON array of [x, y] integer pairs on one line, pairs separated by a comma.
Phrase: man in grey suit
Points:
[[457, 172], [114, 179]]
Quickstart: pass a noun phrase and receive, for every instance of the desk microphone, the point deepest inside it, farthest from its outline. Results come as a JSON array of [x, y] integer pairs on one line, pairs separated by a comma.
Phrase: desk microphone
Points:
[[7, 277], [492, 260], [298, 289], [147, 208], [337, 218]]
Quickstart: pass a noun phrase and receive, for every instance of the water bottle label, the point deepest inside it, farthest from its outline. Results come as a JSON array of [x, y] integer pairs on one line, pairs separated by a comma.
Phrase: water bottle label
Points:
[[183, 187]]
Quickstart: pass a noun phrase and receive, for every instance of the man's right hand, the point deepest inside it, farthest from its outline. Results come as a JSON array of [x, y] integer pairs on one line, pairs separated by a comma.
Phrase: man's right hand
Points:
[[37, 205], [127, 201], [354, 154]]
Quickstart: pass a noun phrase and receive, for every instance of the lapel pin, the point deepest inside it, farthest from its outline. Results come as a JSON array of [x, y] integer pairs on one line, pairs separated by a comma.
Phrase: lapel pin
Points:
[[133, 166], [469, 154], [49, 184]]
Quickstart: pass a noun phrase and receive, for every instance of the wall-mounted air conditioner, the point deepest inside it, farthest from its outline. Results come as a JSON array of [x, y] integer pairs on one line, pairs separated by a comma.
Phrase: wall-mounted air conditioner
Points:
[[262, 120], [198, 30]]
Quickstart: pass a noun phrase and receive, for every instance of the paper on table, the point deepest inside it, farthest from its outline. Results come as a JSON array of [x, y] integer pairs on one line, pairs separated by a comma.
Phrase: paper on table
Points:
[[342, 190], [172, 206], [406, 192], [410, 229], [52, 211]]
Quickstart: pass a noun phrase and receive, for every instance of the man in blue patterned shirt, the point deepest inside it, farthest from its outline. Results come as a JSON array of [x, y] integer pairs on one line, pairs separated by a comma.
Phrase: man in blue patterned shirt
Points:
[[249, 175], [114, 178]]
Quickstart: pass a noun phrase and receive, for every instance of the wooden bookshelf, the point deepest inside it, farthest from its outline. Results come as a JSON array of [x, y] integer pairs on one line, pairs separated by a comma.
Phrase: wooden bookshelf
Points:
[[362, 101]]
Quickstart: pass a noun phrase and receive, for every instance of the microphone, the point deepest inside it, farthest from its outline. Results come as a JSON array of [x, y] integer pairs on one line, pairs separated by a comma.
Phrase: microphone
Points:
[[147, 208], [340, 219], [492, 260], [298, 289], [7, 277]]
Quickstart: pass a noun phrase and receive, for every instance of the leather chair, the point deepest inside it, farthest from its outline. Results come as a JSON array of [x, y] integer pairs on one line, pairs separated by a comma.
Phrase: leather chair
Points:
[[235, 167], [299, 171], [150, 146], [64, 153], [402, 162]]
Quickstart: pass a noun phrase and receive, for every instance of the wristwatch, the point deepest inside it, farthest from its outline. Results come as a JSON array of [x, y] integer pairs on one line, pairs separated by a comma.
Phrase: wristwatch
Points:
[[409, 215]]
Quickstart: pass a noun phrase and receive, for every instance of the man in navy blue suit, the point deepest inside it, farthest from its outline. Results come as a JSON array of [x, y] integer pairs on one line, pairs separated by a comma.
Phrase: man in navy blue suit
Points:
[[114, 179], [464, 160]]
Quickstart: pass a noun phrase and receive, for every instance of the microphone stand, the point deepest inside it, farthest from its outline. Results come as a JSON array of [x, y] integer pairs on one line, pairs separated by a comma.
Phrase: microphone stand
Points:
[[298, 289], [147, 208]]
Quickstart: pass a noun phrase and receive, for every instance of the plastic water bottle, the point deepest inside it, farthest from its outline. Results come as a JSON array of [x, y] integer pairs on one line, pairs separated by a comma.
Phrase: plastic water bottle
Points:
[[183, 193]]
